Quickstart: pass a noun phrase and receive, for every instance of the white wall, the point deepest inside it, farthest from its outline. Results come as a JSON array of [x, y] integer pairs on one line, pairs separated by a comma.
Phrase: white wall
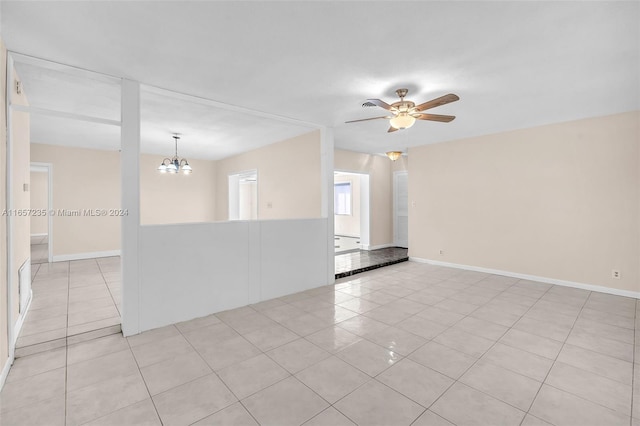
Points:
[[39, 201], [349, 225], [193, 270]]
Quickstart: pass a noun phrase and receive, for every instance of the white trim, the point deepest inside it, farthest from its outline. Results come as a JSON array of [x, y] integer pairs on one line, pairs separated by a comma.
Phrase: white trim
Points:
[[394, 197], [21, 318], [36, 166], [5, 371], [39, 235], [67, 115], [9, 205], [589, 287], [88, 255]]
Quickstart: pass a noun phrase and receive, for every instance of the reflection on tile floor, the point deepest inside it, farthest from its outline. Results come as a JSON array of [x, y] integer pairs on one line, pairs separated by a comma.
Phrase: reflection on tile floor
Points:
[[71, 299], [39, 249], [358, 261], [405, 344]]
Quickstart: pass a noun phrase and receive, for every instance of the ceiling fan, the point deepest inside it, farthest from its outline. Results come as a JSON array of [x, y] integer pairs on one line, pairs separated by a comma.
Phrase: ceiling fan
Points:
[[405, 113]]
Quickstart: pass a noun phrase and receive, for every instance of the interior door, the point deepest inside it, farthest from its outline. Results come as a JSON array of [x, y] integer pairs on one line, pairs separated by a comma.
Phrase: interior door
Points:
[[401, 209]]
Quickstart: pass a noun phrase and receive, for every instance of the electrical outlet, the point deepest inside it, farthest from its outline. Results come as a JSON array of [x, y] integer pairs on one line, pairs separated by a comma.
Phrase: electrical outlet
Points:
[[441, 252], [615, 274]]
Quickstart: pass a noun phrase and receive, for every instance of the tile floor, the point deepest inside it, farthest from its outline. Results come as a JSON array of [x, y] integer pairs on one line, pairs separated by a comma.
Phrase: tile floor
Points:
[[39, 249], [408, 344], [344, 244], [71, 299], [357, 261]]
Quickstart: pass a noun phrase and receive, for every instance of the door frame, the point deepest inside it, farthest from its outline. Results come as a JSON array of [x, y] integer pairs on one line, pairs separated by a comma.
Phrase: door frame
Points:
[[47, 168], [365, 206]]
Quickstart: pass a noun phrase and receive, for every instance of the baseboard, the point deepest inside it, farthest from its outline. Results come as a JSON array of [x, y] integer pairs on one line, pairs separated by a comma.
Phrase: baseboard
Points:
[[5, 371], [89, 255], [589, 287], [18, 327], [39, 235]]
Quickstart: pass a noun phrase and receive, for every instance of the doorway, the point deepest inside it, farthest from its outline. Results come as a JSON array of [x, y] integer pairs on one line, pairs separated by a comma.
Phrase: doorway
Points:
[[243, 196], [351, 211], [40, 190]]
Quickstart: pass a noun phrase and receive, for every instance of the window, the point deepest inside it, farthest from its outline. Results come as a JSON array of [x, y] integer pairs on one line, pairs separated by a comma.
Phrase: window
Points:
[[342, 198]]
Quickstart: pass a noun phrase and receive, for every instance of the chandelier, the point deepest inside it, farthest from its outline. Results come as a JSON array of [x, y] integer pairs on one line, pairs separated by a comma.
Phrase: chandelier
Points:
[[175, 164]]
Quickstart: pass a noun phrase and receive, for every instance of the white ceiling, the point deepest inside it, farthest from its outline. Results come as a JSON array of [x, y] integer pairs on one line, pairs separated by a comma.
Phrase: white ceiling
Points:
[[513, 64]]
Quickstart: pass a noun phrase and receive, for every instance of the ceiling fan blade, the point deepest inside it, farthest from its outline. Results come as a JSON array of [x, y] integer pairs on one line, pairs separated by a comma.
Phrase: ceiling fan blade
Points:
[[392, 129], [442, 100], [435, 117], [367, 119], [381, 104]]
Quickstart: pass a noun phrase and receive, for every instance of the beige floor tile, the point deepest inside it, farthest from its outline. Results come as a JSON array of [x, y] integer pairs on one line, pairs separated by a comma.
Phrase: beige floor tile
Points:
[[505, 385], [39, 363], [99, 399], [43, 325], [519, 361], [605, 330], [250, 376], [153, 335], [547, 329], [530, 420], [271, 337], [197, 323], [283, 312], [89, 305], [333, 339], [161, 350], [421, 384], [455, 306], [332, 378], [73, 330], [562, 408], [174, 372], [379, 297], [531, 343], [193, 401], [85, 373], [607, 317], [482, 328], [32, 390], [369, 357], [235, 415], [272, 406], [330, 417], [462, 341], [422, 327], [496, 315], [443, 359], [333, 314], [359, 305], [613, 368], [221, 354], [463, 405], [429, 418], [397, 340], [441, 316], [297, 355], [306, 324], [376, 404], [97, 314], [141, 413], [425, 298], [603, 345], [47, 336], [50, 412], [252, 321], [595, 388], [362, 326]]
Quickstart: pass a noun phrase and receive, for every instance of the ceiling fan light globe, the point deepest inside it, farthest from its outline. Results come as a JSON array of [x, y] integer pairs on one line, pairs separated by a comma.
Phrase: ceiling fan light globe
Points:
[[402, 121], [394, 155]]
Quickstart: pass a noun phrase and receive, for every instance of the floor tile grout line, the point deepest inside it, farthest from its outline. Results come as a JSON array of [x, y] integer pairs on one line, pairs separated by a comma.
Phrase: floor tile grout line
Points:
[[213, 371], [109, 288], [544, 381], [143, 380]]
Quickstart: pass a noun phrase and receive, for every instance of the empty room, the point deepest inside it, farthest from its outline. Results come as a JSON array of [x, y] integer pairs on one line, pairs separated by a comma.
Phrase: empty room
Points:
[[320, 213]]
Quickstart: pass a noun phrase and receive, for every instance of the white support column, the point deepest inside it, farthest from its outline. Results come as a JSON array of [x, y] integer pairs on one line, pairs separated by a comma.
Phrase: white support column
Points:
[[9, 194], [326, 173], [130, 176]]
